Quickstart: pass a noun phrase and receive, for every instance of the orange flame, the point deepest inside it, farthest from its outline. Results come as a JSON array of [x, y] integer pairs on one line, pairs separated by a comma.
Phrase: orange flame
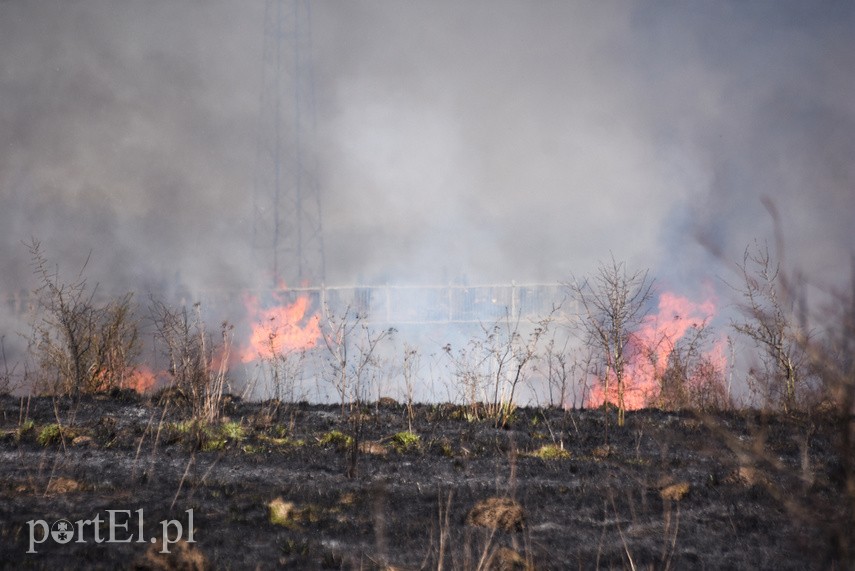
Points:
[[278, 329], [651, 346], [141, 380]]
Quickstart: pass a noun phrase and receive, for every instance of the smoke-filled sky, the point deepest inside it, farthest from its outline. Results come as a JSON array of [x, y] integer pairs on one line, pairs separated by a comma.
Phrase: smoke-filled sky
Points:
[[487, 140]]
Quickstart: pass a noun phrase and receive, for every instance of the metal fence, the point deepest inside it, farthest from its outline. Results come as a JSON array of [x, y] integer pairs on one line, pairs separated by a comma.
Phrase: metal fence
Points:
[[399, 304], [436, 304]]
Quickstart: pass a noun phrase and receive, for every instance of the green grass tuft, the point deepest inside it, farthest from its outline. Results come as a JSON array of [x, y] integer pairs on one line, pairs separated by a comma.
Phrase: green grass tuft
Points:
[[49, 434], [336, 438], [232, 431], [551, 452], [406, 441], [24, 428]]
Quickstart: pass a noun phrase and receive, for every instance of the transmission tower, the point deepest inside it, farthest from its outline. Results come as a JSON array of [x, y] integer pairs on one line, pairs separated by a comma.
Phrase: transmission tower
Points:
[[287, 234]]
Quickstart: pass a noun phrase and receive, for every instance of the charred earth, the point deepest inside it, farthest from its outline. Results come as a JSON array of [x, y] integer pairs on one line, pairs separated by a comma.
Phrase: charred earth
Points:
[[383, 486]]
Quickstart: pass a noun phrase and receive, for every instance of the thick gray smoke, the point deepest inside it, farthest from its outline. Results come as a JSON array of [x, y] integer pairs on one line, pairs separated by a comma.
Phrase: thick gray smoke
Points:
[[480, 140]]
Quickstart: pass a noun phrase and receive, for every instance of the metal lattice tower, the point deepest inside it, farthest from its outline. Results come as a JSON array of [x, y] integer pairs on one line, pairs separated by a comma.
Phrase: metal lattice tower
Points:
[[287, 234]]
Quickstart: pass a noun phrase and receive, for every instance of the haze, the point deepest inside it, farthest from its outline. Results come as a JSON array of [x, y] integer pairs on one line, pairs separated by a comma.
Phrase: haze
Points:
[[484, 141]]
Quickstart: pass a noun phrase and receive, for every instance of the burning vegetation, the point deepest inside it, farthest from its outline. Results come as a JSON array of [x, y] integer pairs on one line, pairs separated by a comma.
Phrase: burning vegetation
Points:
[[627, 345], [644, 360], [279, 327], [669, 357]]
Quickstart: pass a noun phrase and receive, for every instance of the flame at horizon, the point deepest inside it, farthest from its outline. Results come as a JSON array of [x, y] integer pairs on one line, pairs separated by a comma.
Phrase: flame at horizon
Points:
[[142, 380], [651, 346], [279, 329]]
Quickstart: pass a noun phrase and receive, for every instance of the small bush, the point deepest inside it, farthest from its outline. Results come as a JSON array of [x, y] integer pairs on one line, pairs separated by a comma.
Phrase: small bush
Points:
[[336, 438], [181, 429], [283, 441], [84, 345], [551, 452], [49, 434], [206, 436], [24, 428], [406, 441], [212, 443], [232, 431], [218, 437], [187, 431], [443, 446], [198, 363]]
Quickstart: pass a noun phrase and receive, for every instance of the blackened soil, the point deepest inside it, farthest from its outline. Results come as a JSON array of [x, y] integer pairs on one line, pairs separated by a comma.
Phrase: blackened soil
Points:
[[670, 490]]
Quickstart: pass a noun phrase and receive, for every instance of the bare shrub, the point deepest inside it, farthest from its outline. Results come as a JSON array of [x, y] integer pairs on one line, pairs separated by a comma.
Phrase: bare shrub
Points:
[[353, 366], [614, 303], [491, 368], [708, 387], [80, 346], [197, 364], [771, 324], [466, 363], [410, 370], [565, 371], [353, 361], [831, 356], [803, 360], [285, 369], [692, 378], [7, 375]]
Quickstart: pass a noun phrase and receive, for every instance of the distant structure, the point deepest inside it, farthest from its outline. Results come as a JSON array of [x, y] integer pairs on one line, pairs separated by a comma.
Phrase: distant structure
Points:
[[431, 305], [287, 237]]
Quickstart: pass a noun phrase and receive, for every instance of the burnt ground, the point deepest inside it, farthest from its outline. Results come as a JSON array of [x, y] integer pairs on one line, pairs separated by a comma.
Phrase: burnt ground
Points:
[[270, 489]]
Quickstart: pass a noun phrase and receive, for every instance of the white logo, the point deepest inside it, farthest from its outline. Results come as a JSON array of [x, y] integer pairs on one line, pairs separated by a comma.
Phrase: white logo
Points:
[[62, 531]]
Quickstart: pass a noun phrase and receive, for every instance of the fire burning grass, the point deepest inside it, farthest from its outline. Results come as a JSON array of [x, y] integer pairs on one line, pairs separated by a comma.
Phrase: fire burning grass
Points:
[[281, 325], [628, 496], [279, 328], [651, 348], [142, 380], [275, 329]]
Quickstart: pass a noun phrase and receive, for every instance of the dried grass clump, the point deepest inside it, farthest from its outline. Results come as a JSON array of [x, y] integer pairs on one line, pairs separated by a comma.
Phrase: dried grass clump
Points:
[[497, 513], [63, 485], [506, 559], [281, 512], [373, 448], [551, 452], [182, 556], [747, 476], [675, 492]]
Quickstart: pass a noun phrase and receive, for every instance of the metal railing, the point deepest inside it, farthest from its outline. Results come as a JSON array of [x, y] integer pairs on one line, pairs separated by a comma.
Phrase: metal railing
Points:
[[431, 304], [397, 304]]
